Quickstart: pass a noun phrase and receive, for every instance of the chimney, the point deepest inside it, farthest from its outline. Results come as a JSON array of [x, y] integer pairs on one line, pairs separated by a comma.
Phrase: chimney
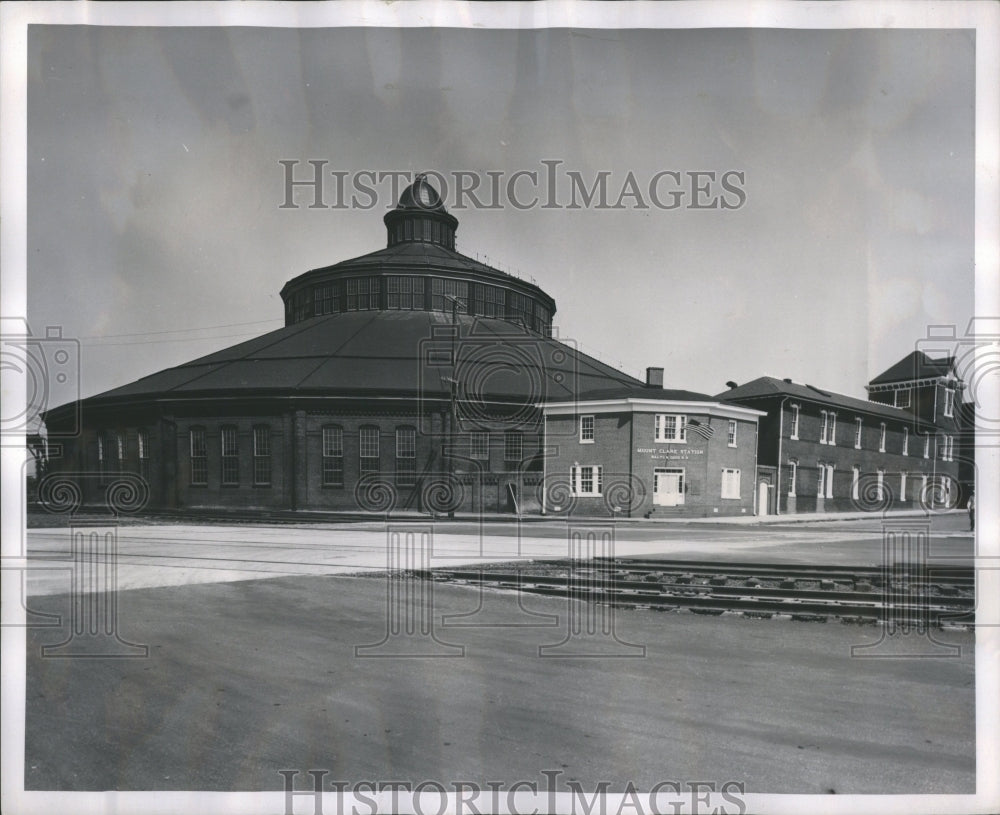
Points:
[[789, 381], [654, 377], [731, 385]]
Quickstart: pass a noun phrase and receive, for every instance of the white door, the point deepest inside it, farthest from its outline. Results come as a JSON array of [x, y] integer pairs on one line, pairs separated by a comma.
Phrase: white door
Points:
[[762, 502], [668, 487]]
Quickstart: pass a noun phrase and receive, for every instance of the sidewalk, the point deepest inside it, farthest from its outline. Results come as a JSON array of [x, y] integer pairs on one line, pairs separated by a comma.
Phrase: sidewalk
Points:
[[308, 516]]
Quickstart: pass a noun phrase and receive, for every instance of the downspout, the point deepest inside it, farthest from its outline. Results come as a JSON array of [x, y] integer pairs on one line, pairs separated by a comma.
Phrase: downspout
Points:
[[756, 456], [545, 457], [631, 447], [781, 438]]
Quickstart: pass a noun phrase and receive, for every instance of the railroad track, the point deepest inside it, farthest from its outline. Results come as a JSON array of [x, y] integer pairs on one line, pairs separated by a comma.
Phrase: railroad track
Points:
[[906, 595]]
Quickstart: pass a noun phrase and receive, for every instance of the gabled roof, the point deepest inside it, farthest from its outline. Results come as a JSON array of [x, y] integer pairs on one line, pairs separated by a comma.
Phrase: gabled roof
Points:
[[915, 365], [769, 386]]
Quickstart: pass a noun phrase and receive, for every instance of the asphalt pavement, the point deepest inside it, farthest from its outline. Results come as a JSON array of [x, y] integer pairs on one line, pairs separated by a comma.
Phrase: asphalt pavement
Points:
[[242, 659]]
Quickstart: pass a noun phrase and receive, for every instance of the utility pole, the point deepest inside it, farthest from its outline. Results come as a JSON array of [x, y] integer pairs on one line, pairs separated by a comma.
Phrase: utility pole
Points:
[[453, 382]]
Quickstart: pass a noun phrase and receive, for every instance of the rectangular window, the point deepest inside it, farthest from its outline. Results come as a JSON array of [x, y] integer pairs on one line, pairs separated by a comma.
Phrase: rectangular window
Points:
[[670, 427], [586, 429], [512, 445], [927, 446], [587, 480], [923, 489], [730, 483], [823, 428], [479, 446], [333, 457], [731, 435], [230, 456], [855, 482], [903, 398], [832, 437], [441, 289], [368, 449], [906, 441], [793, 476], [406, 456], [880, 485], [142, 438], [821, 481], [795, 422], [947, 448], [857, 433], [829, 481], [406, 293], [949, 402], [262, 455], [199, 457], [902, 486], [881, 438]]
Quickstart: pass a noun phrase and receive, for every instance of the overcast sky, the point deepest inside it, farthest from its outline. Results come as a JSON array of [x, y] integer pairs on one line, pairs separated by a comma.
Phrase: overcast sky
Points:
[[154, 184]]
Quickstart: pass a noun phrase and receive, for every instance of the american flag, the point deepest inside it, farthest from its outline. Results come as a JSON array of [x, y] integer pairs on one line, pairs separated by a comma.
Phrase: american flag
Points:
[[706, 431]]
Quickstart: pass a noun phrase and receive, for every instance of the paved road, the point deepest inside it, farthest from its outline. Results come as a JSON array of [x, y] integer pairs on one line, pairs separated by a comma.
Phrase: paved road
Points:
[[251, 668], [248, 678], [180, 554]]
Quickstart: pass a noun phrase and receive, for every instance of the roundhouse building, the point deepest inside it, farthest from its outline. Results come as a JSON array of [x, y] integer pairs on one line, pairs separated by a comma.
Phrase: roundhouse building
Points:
[[407, 378]]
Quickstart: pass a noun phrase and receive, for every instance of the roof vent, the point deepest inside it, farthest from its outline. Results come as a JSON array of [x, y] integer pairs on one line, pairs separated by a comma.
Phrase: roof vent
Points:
[[789, 381]]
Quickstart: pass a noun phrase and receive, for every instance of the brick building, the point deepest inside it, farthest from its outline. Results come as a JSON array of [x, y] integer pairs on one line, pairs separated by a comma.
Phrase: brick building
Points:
[[647, 451], [821, 451]]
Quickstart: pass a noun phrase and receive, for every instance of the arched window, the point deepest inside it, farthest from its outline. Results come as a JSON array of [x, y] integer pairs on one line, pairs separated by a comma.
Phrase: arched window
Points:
[[333, 456], [406, 456], [262, 456], [199, 457], [230, 455], [142, 439], [368, 449]]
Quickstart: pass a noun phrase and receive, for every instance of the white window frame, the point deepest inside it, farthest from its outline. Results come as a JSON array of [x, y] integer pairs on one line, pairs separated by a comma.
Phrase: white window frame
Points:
[[730, 484], [680, 430], [596, 479], [881, 438], [858, 426], [829, 481], [479, 445], [902, 486], [587, 429], [879, 484], [832, 434], [855, 482], [731, 435], [513, 445], [823, 427], [821, 481], [897, 401], [906, 441], [949, 402], [927, 446], [794, 434], [793, 475]]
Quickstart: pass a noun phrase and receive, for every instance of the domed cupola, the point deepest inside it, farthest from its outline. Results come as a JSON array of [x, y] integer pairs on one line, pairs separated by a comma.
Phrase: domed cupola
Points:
[[420, 216]]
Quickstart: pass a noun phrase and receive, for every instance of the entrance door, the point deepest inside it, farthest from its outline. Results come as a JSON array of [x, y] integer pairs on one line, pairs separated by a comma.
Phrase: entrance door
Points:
[[668, 487], [762, 498]]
